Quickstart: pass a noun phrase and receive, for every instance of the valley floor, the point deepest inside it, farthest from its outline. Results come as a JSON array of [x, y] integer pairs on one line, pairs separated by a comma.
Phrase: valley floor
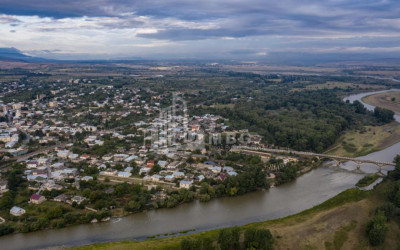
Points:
[[359, 143]]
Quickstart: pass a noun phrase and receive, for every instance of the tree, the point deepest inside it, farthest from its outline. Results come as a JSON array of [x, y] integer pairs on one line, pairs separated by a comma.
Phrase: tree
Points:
[[236, 237], [7, 201], [133, 206], [383, 115], [156, 168], [186, 244], [264, 239], [204, 188], [6, 229], [54, 212], [258, 239], [376, 229], [388, 210], [225, 238], [360, 109], [249, 237]]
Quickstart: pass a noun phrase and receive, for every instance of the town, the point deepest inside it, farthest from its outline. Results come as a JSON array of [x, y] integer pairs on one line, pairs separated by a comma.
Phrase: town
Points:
[[86, 148]]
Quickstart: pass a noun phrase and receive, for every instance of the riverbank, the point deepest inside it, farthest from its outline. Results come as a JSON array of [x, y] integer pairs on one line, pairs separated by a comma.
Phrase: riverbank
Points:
[[388, 100], [307, 191], [355, 143], [337, 223]]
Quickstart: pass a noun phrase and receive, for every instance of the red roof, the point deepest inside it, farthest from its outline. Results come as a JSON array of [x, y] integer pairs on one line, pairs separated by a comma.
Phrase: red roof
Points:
[[35, 196]]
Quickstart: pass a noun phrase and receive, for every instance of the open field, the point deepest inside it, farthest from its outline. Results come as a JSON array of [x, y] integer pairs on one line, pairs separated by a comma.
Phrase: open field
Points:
[[338, 223], [344, 85], [374, 138], [389, 100]]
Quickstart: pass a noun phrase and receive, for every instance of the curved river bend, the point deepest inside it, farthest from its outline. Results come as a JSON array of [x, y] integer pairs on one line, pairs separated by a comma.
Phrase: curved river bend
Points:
[[307, 191]]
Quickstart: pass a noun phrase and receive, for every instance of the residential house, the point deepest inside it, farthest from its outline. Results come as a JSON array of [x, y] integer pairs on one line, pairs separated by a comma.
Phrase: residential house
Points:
[[110, 172], [227, 169], [185, 184], [232, 173], [87, 178], [63, 154], [61, 198], [37, 199], [144, 170], [170, 178], [174, 165], [17, 211], [200, 178], [124, 174], [32, 164], [107, 157], [130, 158], [120, 157], [77, 199], [3, 186], [156, 177], [178, 174], [162, 164]]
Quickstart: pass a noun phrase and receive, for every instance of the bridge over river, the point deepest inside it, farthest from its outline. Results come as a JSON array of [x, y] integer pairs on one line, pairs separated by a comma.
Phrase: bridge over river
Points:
[[337, 159]]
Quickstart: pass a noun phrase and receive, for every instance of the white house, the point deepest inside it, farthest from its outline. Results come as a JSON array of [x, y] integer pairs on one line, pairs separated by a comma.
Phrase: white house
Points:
[[185, 184], [11, 144], [32, 164], [169, 178], [162, 164], [17, 211], [87, 178], [177, 174], [156, 177], [43, 161], [107, 157], [111, 172], [128, 169], [63, 154], [124, 174], [120, 157], [77, 199], [3, 186], [144, 170], [173, 165], [73, 156], [130, 158], [200, 177], [57, 165]]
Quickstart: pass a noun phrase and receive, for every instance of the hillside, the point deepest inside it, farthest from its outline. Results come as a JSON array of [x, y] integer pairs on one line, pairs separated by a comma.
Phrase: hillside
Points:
[[338, 223], [12, 54]]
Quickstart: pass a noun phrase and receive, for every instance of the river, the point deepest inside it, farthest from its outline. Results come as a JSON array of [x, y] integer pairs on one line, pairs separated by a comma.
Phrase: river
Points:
[[307, 191]]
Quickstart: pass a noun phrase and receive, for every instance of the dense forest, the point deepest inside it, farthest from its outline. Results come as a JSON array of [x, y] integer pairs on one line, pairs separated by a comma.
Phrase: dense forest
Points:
[[302, 120]]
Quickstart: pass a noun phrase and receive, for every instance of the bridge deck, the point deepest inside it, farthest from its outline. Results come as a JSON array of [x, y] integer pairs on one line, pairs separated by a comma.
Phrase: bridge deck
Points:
[[270, 150]]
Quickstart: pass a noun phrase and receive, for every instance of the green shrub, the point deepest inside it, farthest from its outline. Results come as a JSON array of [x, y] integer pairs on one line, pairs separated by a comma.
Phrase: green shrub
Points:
[[376, 229]]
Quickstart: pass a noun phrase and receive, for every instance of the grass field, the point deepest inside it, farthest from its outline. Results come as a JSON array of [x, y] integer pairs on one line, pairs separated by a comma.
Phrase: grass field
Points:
[[389, 100], [374, 138], [343, 85], [338, 223]]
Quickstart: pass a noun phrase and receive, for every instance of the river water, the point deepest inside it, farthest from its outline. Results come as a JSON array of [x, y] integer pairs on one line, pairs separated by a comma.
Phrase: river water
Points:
[[307, 191]]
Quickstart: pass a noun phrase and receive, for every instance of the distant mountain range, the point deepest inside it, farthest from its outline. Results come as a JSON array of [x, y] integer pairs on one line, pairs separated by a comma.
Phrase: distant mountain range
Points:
[[13, 54], [308, 59]]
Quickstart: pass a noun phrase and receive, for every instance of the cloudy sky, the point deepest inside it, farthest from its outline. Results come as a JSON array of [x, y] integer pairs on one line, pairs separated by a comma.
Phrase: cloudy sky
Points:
[[203, 29]]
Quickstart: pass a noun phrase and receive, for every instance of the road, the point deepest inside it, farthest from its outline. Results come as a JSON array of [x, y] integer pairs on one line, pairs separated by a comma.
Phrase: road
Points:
[[25, 157]]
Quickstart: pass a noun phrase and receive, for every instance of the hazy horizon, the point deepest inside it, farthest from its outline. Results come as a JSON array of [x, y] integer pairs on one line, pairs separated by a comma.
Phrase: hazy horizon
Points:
[[220, 29]]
